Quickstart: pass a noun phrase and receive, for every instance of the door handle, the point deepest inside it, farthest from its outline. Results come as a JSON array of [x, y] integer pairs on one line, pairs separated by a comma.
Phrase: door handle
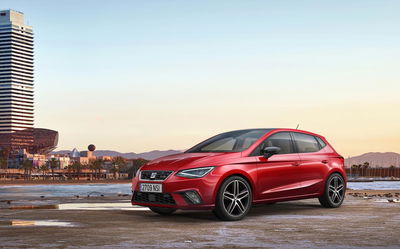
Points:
[[296, 164], [324, 161]]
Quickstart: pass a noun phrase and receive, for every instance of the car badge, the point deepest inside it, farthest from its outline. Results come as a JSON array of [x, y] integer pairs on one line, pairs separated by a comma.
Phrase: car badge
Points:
[[153, 175]]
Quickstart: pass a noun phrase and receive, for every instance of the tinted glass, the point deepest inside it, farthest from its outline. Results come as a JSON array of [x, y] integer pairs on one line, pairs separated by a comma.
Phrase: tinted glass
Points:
[[306, 143], [224, 144], [281, 140], [233, 141], [321, 142]]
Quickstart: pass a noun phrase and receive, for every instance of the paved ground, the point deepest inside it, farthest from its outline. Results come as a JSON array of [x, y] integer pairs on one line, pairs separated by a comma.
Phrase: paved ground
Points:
[[359, 223]]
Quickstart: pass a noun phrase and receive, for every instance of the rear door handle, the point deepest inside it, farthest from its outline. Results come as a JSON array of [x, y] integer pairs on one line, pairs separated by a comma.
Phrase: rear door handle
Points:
[[324, 161], [296, 164]]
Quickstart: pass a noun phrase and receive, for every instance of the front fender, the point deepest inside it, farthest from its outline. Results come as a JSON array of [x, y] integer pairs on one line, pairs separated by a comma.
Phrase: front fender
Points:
[[248, 172]]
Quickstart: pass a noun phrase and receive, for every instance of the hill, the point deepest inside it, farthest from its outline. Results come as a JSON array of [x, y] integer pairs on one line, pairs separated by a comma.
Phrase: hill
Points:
[[380, 159]]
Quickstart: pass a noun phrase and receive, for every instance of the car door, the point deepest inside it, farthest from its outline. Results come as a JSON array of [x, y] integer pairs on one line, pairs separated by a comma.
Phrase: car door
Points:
[[278, 174], [313, 164]]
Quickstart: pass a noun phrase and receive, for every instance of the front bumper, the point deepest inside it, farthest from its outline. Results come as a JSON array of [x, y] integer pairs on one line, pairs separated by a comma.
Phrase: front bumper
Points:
[[173, 195]]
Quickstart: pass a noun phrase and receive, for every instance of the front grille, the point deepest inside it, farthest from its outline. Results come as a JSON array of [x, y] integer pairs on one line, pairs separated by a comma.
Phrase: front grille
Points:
[[154, 175], [156, 198]]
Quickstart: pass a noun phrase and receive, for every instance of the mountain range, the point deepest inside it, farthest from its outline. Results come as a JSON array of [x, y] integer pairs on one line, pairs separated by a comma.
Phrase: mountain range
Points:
[[379, 159]]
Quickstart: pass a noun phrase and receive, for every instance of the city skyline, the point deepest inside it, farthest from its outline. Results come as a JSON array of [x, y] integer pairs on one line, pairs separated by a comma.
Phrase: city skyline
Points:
[[141, 76]]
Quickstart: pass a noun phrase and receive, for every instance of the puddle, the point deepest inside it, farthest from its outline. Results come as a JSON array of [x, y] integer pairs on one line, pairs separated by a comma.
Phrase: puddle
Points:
[[325, 217], [101, 206], [77, 206], [382, 200], [43, 223], [35, 207], [286, 229], [388, 200], [50, 190]]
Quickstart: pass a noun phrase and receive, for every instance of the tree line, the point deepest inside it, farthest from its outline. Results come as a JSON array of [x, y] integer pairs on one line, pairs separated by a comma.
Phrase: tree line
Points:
[[74, 170], [365, 170]]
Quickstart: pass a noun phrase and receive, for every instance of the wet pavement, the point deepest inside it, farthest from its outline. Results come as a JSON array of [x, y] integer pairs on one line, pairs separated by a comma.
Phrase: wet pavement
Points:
[[32, 223], [110, 222], [96, 189], [67, 190]]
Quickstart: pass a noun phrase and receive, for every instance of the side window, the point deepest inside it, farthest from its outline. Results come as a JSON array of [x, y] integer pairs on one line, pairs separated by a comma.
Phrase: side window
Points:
[[306, 143], [282, 140], [321, 142]]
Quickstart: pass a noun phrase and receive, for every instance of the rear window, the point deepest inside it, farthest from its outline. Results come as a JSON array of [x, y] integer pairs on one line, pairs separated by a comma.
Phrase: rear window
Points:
[[306, 143], [321, 142]]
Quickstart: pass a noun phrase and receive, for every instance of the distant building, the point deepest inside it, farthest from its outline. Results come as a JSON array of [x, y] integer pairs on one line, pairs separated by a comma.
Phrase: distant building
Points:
[[44, 140], [83, 157], [63, 160], [88, 154], [16, 90], [16, 81], [18, 156], [105, 158]]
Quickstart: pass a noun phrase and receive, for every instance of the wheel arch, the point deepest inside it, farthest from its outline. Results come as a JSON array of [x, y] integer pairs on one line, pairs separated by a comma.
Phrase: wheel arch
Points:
[[335, 171], [242, 174]]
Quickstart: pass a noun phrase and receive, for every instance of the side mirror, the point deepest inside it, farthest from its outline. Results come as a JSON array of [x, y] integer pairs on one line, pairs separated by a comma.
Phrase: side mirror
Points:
[[267, 152]]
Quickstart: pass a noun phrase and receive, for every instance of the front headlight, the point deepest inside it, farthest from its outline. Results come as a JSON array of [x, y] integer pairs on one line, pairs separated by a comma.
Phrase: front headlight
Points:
[[195, 173]]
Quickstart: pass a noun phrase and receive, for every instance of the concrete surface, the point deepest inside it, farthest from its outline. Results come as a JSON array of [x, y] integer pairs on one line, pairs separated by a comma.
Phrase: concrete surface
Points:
[[359, 223]]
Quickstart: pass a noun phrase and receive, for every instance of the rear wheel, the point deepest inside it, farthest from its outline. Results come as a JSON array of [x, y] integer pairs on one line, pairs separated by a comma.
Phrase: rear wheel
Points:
[[334, 192], [233, 199], [162, 211]]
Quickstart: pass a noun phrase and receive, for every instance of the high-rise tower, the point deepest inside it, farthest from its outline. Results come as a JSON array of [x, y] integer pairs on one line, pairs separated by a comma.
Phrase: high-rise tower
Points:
[[16, 81]]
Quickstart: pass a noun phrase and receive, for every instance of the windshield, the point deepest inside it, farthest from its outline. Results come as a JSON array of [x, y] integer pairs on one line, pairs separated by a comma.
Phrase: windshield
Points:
[[233, 141]]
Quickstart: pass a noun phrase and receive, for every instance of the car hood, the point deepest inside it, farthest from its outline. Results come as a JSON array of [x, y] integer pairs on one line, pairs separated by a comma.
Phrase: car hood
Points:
[[190, 160]]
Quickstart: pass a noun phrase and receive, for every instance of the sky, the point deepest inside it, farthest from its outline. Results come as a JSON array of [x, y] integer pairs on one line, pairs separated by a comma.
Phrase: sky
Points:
[[135, 76]]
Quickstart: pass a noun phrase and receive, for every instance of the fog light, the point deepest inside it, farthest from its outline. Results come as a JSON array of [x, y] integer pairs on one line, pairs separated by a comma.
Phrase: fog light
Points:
[[193, 197]]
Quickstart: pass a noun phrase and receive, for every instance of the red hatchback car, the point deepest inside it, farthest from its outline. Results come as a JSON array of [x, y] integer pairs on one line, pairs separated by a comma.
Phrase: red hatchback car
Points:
[[231, 171]]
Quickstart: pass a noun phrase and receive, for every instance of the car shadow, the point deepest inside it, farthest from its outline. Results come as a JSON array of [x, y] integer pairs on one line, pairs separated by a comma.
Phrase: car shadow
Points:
[[281, 208]]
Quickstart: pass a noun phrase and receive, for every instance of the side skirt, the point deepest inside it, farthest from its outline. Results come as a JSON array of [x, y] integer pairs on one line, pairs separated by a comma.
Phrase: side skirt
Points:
[[289, 198]]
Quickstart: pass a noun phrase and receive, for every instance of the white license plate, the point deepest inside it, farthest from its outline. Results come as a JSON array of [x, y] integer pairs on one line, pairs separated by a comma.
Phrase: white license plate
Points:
[[151, 187]]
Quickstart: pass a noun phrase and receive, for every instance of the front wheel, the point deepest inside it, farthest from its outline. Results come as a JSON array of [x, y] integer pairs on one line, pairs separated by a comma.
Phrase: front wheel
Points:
[[162, 211], [234, 199], [334, 192]]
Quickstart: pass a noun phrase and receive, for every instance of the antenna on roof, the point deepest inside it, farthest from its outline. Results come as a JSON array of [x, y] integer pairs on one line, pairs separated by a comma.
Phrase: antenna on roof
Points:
[[297, 126]]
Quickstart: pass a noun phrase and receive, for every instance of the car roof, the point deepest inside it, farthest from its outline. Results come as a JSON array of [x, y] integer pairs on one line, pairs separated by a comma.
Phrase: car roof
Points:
[[267, 130]]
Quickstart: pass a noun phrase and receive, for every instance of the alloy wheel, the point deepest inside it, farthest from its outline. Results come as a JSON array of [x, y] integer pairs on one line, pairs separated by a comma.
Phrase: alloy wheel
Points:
[[336, 189], [236, 198]]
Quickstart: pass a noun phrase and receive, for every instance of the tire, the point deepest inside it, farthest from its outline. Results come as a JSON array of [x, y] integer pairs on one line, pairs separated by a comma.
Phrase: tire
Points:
[[162, 211], [234, 199], [334, 192]]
